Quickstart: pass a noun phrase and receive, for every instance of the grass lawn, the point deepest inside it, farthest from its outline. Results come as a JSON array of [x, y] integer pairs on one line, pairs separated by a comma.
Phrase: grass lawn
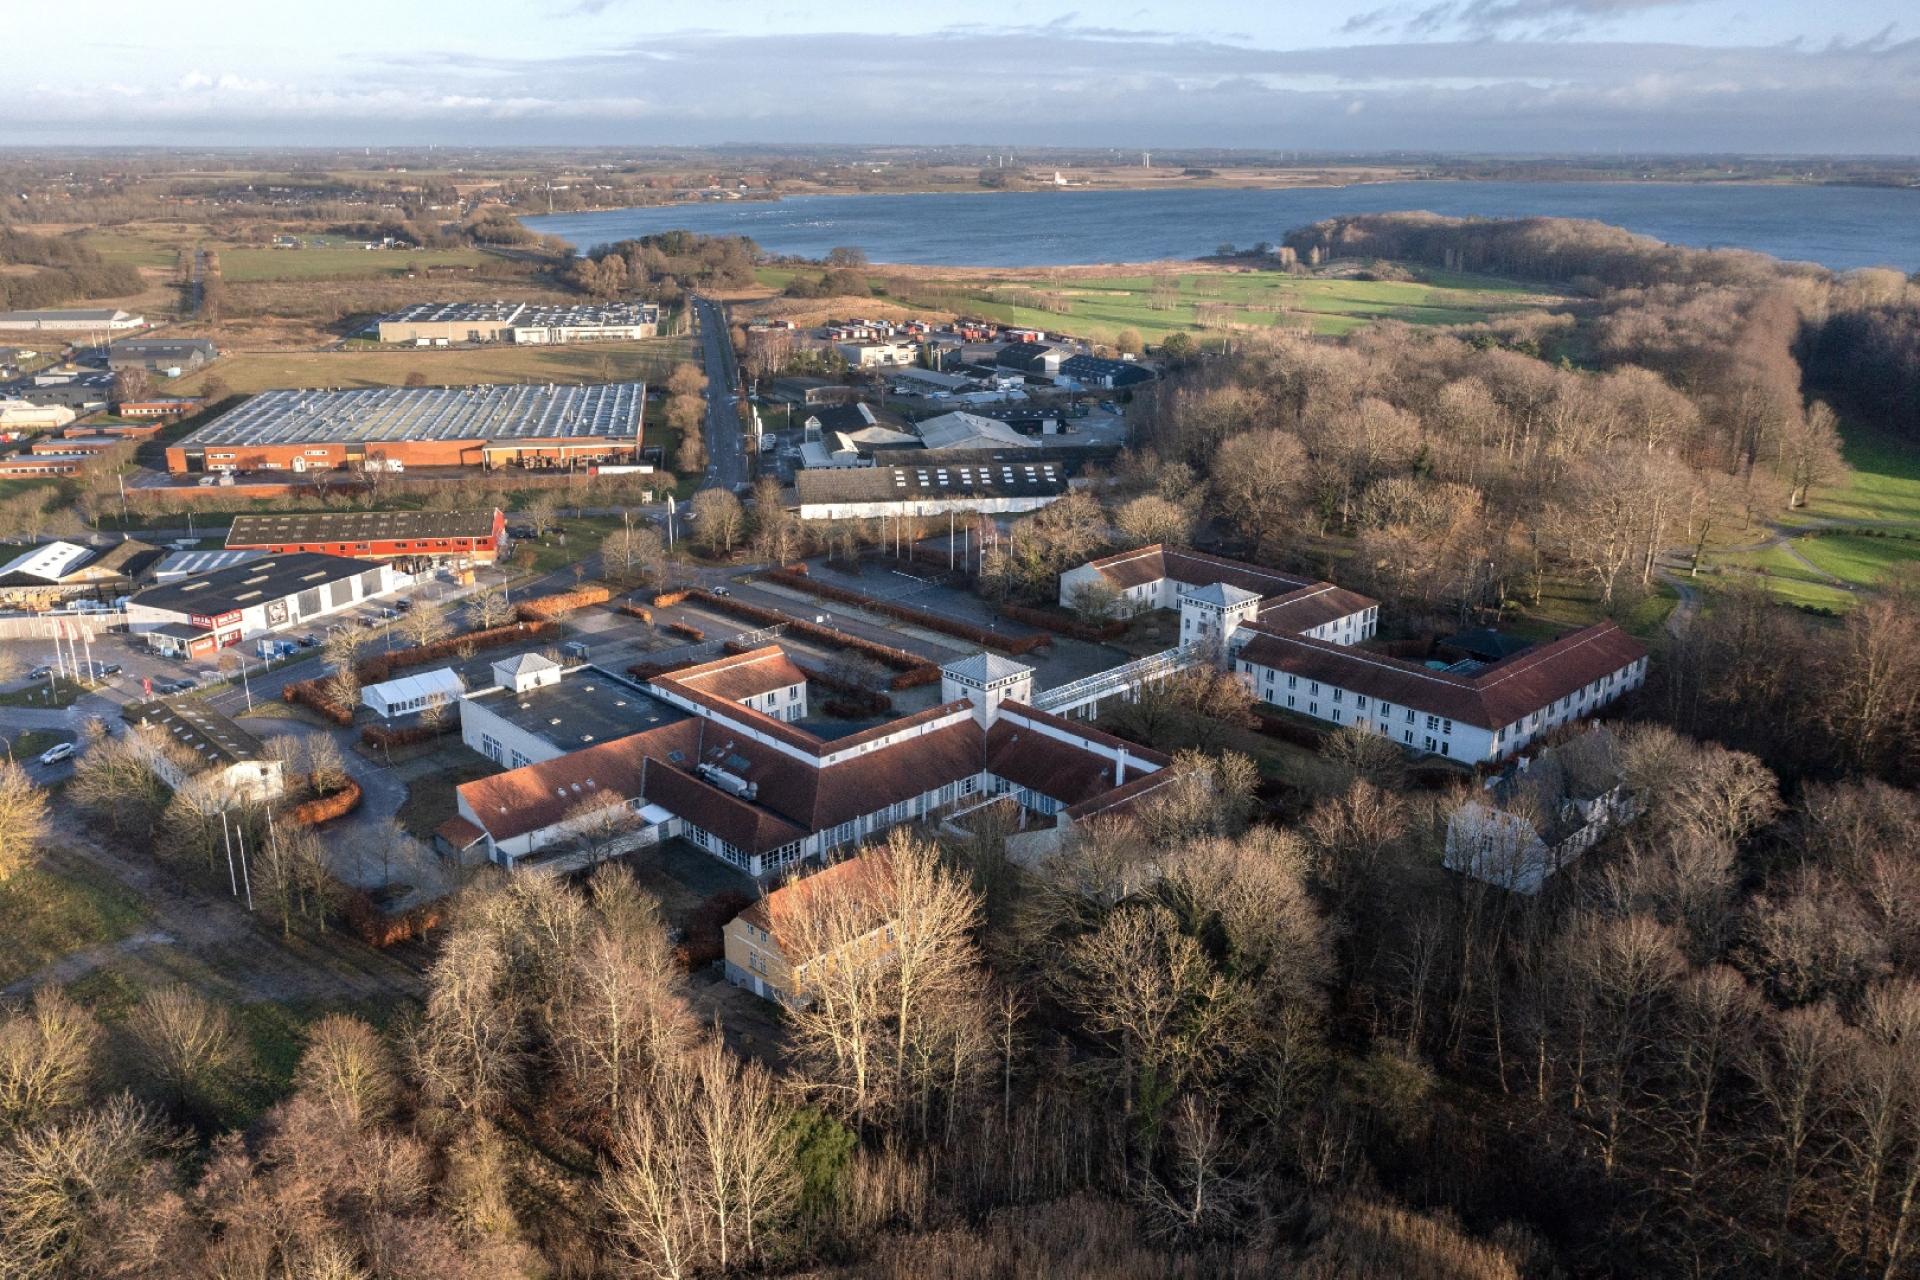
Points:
[[1101, 306], [331, 263], [1884, 484], [430, 800], [28, 743], [63, 694], [61, 905], [649, 359], [1858, 558]]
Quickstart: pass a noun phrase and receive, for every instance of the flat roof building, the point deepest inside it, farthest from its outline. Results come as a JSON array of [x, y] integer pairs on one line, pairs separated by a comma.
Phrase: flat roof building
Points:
[[72, 320], [192, 617], [521, 322], [393, 428], [858, 493]]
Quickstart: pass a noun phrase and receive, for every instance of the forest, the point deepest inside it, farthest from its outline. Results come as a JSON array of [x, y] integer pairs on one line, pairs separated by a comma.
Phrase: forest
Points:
[[67, 270]]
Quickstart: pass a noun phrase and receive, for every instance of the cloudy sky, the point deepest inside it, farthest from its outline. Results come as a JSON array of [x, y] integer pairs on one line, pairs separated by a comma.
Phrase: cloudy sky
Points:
[[1776, 76]]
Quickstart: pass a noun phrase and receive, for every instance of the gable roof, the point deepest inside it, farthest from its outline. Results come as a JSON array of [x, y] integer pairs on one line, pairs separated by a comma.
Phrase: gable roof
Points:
[[536, 796], [1195, 568], [1311, 607], [740, 676], [861, 875], [1495, 696]]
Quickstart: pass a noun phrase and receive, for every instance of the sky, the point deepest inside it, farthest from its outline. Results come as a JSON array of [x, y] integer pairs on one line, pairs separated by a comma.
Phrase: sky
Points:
[[1586, 76]]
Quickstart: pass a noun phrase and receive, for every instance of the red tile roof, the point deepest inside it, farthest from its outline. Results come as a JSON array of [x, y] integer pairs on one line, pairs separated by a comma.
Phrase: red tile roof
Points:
[[861, 876], [1311, 607], [1150, 564], [742, 824], [743, 675], [1080, 729], [1121, 799], [1493, 697], [458, 832], [537, 796], [1031, 759]]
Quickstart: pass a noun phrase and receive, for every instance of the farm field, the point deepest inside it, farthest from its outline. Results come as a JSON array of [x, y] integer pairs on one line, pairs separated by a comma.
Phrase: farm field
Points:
[[1100, 306], [649, 359], [330, 262]]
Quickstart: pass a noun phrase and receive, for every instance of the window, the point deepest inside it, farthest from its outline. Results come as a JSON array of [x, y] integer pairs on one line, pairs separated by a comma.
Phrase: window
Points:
[[1339, 695], [1360, 700], [1336, 716], [1313, 708], [520, 761], [1409, 736], [490, 748], [1433, 722], [1289, 699], [1409, 720], [1293, 682], [1313, 686], [1428, 743]]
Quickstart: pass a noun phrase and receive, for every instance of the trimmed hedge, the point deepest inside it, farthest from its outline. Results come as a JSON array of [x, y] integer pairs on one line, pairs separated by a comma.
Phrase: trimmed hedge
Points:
[[925, 673], [381, 666], [1062, 623], [335, 804], [635, 611], [666, 598], [686, 629], [982, 636], [310, 694], [560, 604], [378, 929], [380, 735]]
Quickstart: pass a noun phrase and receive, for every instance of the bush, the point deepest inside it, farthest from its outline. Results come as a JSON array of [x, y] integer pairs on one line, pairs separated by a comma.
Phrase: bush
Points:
[[635, 611], [688, 630], [335, 804], [380, 735], [666, 598], [705, 941], [312, 695], [1063, 623], [560, 604], [378, 929], [381, 666]]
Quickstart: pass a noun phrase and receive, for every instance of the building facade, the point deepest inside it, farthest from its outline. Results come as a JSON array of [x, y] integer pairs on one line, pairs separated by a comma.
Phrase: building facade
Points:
[[193, 617], [414, 540]]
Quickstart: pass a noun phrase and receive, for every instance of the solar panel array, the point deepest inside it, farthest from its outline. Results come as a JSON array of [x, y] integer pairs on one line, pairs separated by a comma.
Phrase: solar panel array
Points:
[[385, 415]]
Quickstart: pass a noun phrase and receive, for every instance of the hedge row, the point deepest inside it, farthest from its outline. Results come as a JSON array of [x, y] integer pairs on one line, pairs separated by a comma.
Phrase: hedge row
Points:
[[666, 598], [688, 630], [1063, 623], [311, 694], [914, 670], [381, 666], [380, 735], [983, 636], [560, 604], [378, 929], [325, 808], [635, 611]]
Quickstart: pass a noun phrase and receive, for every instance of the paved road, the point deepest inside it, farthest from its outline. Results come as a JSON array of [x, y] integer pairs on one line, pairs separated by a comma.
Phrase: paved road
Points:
[[726, 442]]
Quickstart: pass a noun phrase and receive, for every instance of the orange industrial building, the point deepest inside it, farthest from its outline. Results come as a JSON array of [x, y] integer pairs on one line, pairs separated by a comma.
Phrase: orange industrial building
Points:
[[401, 428]]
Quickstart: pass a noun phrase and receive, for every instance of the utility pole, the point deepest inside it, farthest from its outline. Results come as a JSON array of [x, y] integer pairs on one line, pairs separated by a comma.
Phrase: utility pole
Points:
[[227, 835]]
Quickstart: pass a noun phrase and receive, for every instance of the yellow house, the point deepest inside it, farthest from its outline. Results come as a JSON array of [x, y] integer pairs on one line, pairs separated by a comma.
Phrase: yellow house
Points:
[[840, 902]]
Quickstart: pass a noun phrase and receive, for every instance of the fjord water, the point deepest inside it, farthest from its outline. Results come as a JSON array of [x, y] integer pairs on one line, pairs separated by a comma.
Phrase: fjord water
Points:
[[1838, 227]]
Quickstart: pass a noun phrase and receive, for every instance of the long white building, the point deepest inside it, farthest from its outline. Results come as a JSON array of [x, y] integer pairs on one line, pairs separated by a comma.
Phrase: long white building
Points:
[[1296, 645]]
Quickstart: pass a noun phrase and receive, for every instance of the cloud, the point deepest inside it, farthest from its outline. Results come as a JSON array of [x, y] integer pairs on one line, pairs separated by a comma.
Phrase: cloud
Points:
[[1048, 85], [1545, 19]]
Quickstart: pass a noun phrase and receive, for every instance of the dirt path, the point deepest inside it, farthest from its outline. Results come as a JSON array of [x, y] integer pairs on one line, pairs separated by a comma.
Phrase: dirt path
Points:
[[212, 942]]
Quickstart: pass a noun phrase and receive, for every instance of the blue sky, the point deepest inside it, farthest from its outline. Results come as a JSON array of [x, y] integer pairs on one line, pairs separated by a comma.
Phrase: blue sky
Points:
[[1462, 75]]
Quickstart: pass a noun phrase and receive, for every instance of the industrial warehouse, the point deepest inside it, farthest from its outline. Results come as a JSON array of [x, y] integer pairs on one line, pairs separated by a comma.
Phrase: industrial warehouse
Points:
[[414, 539], [197, 616], [443, 323], [396, 428]]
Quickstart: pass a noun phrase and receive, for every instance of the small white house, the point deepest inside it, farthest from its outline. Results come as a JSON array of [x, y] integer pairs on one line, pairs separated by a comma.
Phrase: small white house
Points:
[[408, 694]]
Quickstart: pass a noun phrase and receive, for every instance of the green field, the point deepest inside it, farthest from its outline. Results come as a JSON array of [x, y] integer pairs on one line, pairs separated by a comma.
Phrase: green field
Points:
[[1884, 485], [649, 359], [1102, 306], [1859, 558], [330, 263], [57, 906]]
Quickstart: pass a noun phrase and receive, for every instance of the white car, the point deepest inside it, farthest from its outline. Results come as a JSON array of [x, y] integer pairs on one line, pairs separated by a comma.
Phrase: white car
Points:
[[56, 753]]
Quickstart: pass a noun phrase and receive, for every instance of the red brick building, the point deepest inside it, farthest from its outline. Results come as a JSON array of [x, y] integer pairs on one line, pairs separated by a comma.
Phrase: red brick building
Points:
[[412, 539]]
